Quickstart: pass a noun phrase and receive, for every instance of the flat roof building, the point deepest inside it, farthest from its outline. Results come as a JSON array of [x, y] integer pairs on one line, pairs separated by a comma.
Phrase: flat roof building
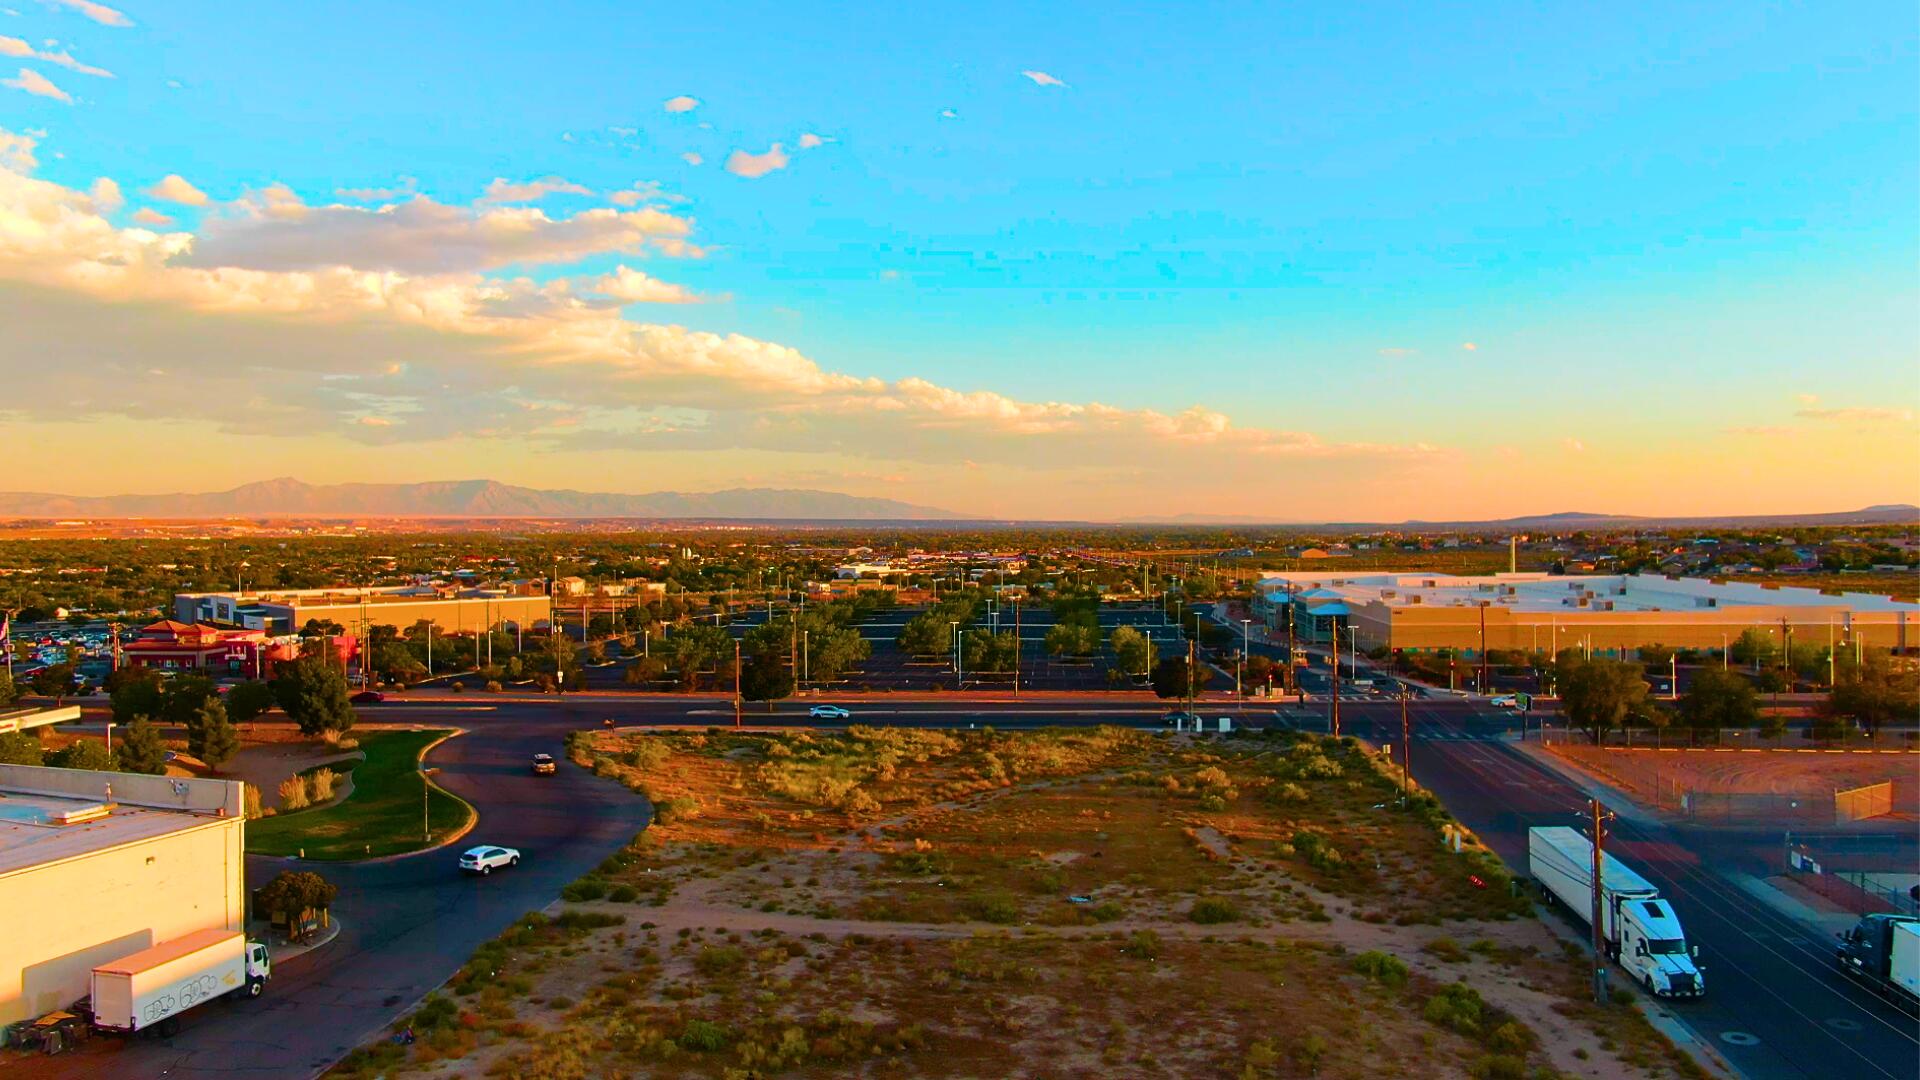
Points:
[[1610, 613], [451, 610], [97, 865]]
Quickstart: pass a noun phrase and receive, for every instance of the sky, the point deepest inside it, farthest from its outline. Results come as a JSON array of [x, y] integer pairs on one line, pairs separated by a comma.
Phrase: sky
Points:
[[1105, 261]]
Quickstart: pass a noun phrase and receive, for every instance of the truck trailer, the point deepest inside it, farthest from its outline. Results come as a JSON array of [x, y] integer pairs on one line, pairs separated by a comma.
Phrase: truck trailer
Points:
[[1639, 929], [1884, 952], [148, 990]]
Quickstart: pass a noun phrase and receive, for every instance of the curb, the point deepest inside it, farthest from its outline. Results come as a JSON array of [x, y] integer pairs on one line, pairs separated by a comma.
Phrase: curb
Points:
[[473, 816]]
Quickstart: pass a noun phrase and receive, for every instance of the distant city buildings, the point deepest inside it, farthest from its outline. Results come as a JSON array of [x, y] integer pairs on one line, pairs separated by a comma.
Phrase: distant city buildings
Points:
[[1608, 614]]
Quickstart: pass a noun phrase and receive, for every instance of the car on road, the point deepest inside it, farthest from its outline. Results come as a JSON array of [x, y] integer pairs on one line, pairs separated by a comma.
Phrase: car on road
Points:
[[485, 860], [1505, 701], [368, 697], [828, 712], [544, 765]]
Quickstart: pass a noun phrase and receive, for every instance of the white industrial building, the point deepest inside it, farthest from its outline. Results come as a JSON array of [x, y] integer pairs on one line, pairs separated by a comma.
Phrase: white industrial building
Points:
[[97, 865], [1608, 613]]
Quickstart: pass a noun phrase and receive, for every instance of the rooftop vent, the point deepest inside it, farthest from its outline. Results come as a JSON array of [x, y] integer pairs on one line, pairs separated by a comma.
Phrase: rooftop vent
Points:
[[80, 815]]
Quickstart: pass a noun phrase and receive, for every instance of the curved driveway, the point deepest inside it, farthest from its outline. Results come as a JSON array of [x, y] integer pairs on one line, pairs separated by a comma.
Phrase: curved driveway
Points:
[[407, 922]]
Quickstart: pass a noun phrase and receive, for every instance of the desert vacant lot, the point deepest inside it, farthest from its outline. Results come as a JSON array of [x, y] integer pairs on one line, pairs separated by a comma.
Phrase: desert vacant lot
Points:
[[887, 902], [1660, 776]]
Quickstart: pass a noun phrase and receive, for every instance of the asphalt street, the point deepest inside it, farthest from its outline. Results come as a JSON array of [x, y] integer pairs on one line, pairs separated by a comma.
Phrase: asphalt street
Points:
[[409, 922], [1775, 1005]]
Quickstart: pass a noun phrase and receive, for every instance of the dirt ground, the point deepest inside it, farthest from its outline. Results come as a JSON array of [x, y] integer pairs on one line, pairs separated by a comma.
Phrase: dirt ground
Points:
[[1033, 905], [1660, 776]]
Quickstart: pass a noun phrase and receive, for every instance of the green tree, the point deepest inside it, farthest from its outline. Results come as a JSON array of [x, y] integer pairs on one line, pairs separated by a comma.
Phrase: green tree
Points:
[[1074, 638], [313, 694], [1719, 699], [925, 635], [985, 651], [1170, 677], [1754, 646], [248, 700], [140, 749], [1873, 694], [9, 692], [21, 748], [84, 754], [832, 650], [210, 735], [293, 893], [1134, 652], [766, 677], [395, 662], [696, 651], [1656, 657], [135, 690], [644, 670], [182, 698], [54, 681], [1601, 695]]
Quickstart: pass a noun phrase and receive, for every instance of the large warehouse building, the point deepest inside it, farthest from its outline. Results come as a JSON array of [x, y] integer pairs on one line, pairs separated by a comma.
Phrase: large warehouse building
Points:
[[97, 865], [451, 610], [1609, 614]]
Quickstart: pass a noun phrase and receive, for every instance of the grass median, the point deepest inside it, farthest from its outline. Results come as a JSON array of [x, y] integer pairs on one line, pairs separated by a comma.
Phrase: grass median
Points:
[[383, 816]]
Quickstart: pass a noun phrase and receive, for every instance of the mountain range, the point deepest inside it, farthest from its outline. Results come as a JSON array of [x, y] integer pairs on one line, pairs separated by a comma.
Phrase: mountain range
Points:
[[286, 497]]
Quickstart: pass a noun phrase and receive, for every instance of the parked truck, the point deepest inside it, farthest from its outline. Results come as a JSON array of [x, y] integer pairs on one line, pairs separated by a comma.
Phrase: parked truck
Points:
[[148, 990], [1640, 930], [1883, 951]]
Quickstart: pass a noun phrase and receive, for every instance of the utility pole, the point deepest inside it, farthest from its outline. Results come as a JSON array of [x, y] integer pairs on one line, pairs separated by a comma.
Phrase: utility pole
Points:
[[1333, 721], [1600, 819], [1189, 674], [1016, 647], [1483, 646], [1406, 748], [736, 682]]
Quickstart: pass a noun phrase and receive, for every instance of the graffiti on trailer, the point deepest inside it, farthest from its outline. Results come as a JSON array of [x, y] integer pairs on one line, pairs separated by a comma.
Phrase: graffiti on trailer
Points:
[[185, 996]]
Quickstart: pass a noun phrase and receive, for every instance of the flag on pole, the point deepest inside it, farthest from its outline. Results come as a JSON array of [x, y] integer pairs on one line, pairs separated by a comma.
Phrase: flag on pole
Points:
[[6, 636]]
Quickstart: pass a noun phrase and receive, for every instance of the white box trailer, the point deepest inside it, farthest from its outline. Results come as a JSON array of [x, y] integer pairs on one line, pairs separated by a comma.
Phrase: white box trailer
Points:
[[151, 988], [1639, 928]]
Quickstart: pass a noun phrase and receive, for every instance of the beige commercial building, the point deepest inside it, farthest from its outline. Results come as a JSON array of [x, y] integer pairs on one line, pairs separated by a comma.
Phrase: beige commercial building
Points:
[[452, 611], [1609, 614], [95, 865]]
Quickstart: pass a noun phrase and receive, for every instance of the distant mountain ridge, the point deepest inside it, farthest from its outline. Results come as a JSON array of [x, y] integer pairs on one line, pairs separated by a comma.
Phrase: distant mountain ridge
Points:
[[287, 497], [1881, 514]]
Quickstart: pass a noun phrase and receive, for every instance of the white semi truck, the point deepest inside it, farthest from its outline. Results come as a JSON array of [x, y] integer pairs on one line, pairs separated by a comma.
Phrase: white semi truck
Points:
[[1639, 928], [148, 990]]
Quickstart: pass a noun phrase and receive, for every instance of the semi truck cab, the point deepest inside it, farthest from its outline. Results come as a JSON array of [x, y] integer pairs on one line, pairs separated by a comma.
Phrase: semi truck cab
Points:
[[259, 968], [1653, 948]]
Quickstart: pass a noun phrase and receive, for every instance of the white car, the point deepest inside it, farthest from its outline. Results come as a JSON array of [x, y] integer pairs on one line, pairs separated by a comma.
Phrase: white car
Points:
[[828, 712], [485, 860], [1505, 701]]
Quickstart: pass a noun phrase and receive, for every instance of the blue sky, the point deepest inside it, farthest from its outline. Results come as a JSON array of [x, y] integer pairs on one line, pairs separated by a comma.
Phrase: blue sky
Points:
[[1688, 221]]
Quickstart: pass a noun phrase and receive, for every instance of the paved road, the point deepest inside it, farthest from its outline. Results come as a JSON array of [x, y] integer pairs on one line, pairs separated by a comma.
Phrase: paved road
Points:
[[408, 923], [1770, 978]]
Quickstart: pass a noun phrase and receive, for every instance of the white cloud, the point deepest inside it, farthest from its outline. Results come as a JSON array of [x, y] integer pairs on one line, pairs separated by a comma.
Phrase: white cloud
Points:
[[407, 186], [1468, 346], [692, 158], [1867, 414], [99, 13], [682, 104], [754, 166], [633, 287], [1807, 399], [809, 140], [12, 46], [174, 188], [949, 114], [106, 195], [1396, 351], [345, 312], [1041, 78], [1573, 445], [644, 191], [16, 151], [149, 216], [502, 190], [38, 85]]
